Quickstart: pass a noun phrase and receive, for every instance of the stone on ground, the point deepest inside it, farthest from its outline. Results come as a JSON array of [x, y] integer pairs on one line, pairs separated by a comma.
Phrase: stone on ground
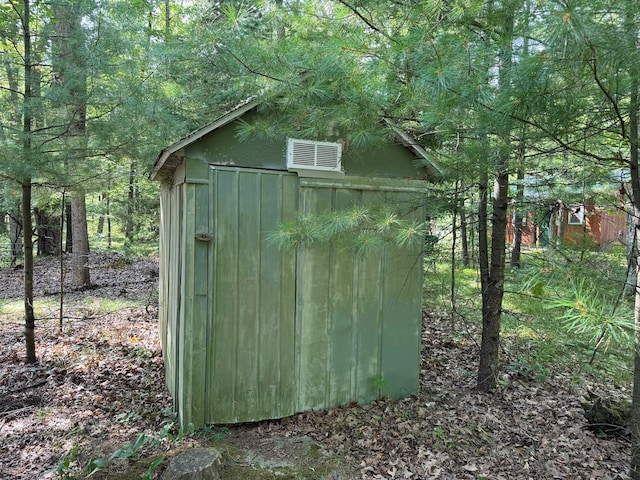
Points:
[[195, 464]]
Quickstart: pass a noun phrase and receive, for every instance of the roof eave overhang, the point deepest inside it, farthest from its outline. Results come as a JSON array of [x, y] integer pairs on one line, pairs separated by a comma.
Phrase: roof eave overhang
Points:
[[409, 142], [225, 119]]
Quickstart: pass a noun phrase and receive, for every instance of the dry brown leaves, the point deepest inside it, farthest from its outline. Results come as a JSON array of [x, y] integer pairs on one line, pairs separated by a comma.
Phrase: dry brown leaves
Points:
[[95, 387], [101, 383], [525, 430]]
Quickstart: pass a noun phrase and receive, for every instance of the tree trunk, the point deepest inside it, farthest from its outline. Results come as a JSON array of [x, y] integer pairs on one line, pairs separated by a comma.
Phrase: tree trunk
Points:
[[29, 317], [100, 227], [128, 231], [635, 185], [15, 237], [69, 60], [516, 246], [519, 214], [553, 220], [454, 236], [561, 223], [68, 241], [80, 257], [634, 107], [108, 222], [47, 228], [493, 285], [27, 228], [464, 234], [493, 278], [3, 223]]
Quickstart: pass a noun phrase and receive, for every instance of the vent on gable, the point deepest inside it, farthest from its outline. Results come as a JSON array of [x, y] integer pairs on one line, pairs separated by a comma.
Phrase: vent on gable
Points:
[[310, 158]]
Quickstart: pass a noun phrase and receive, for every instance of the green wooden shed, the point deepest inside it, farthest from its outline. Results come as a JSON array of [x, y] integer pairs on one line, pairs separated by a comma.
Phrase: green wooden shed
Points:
[[250, 332]]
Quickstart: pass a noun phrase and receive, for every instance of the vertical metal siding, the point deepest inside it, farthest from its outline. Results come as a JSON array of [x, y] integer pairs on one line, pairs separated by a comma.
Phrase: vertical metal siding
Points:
[[251, 332], [170, 281], [401, 309], [358, 319], [250, 370], [193, 315]]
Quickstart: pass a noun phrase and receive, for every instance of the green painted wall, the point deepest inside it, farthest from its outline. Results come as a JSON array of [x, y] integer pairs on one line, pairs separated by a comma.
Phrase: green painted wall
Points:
[[250, 332], [250, 370], [222, 147], [358, 320]]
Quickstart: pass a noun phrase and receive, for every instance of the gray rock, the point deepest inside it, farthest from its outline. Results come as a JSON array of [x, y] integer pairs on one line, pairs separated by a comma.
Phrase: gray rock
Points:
[[195, 464]]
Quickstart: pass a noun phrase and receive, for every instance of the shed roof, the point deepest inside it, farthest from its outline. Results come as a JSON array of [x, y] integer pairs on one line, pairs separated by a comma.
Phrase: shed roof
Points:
[[170, 157]]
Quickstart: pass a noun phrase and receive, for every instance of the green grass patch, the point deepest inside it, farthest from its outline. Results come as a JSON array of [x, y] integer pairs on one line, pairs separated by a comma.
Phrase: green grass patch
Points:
[[564, 311], [12, 309]]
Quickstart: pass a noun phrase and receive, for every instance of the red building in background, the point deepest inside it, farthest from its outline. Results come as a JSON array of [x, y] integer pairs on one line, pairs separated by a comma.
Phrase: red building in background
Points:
[[579, 224]]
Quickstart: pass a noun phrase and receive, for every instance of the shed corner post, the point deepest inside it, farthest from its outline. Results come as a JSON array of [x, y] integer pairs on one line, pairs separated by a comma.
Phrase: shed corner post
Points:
[[192, 395]]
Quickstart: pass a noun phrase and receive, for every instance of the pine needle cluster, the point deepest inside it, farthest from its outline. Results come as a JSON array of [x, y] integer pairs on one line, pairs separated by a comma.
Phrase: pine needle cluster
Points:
[[359, 229]]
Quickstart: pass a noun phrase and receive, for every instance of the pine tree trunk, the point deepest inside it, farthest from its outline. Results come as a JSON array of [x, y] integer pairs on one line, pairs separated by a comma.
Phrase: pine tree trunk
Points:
[[15, 237], [464, 234], [100, 227], [27, 228], [108, 222], [128, 231], [561, 223], [80, 256], [29, 317], [634, 111], [3, 224], [68, 241], [493, 286], [635, 399], [519, 215], [553, 217], [69, 59], [493, 279], [47, 227]]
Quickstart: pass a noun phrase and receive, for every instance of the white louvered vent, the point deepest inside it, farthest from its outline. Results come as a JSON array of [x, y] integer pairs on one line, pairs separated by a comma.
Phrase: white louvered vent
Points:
[[305, 155]]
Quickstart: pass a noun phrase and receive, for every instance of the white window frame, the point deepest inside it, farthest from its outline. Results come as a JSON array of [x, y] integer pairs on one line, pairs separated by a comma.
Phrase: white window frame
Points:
[[575, 215]]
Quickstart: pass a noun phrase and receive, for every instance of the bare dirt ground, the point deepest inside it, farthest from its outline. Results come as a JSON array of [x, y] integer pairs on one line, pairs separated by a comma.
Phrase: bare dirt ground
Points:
[[100, 384]]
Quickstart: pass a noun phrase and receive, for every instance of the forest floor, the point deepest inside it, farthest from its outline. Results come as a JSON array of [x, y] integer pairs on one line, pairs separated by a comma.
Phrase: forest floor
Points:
[[99, 384]]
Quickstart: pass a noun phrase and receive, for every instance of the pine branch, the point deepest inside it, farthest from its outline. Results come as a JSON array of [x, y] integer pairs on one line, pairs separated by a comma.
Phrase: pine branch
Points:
[[368, 22], [594, 69], [252, 70], [11, 90]]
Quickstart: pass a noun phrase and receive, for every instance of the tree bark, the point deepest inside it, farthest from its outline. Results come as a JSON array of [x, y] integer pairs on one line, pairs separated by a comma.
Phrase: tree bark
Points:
[[464, 233], [634, 107], [29, 317], [15, 237], [519, 214], [68, 241], [27, 228], [47, 230], [553, 220], [454, 236], [493, 285], [493, 278], [635, 184], [129, 223], [70, 66], [80, 257], [561, 223]]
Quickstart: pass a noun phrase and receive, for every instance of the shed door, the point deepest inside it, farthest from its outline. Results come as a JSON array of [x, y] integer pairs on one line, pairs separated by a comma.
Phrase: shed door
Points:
[[358, 319], [251, 347]]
